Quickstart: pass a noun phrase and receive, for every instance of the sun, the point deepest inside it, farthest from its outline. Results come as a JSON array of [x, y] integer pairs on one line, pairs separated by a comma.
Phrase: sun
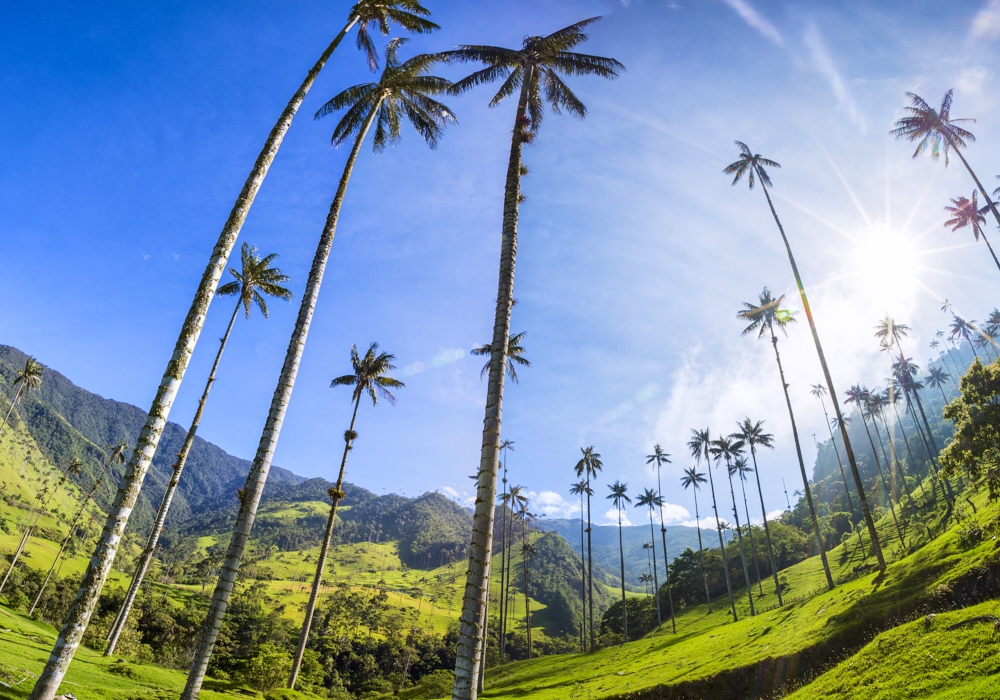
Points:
[[884, 266]]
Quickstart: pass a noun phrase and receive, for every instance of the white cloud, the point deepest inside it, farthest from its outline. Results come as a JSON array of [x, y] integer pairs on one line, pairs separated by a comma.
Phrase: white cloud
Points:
[[612, 517], [553, 505], [986, 24], [451, 493], [825, 65], [673, 514], [756, 20], [971, 81]]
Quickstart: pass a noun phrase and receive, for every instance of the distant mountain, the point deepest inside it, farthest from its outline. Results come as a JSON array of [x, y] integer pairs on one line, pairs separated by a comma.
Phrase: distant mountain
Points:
[[605, 545]]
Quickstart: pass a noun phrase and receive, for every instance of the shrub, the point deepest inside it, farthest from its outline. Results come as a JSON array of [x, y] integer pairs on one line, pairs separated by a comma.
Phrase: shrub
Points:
[[268, 668]]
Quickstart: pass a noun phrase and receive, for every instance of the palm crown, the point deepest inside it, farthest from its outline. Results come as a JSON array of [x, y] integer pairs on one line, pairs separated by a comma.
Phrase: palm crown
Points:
[[648, 498], [752, 165], [580, 488], [933, 129], [753, 434], [402, 92], [540, 61], [29, 378], [409, 14], [255, 279], [960, 328], [765, 315], [937, 377], [966, 213], [515, 355], [700, 445], [619, 494], [659, 457], [888, 330], [590, 463], [692, 477], [370, 375]]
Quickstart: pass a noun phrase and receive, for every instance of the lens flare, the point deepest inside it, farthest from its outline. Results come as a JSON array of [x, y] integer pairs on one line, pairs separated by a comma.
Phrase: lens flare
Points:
[[885, 266]]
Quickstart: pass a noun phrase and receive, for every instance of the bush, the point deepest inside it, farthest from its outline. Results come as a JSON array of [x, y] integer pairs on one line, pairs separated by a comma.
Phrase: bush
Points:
[[17, 600], [268, 668]]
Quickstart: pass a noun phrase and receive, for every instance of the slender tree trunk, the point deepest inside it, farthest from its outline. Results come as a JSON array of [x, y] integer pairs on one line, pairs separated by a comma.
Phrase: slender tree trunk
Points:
[[739, 538], [621, 554], [168, 496], [503, 557], [701, 548], [78, 616], [590, 568], [900, 473], [722, 544], [767, 529], [802, 465], [656, 582], [885, 486], [666, 559], [272, 430], [848, 448], [583, 585], [909, 454], [753, 547], [986, 196], [17, 397], [477, 577], [843, 476], [336, 495]]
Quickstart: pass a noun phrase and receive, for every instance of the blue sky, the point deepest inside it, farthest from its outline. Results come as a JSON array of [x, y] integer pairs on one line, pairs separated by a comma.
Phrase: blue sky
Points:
[[128, 130]]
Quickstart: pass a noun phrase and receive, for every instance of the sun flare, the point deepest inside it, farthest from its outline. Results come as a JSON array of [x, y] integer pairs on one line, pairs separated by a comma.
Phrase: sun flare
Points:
[[885, 266]]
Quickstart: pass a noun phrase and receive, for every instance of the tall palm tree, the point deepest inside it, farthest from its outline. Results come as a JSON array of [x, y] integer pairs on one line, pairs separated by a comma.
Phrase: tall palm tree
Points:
[[650, 500], [751, 165], [693, 479], [533, 73], [619, 497], [960, 328], [116, 454], [966, 213], [410, 15], [256, 278], [515, 355], [819, 391], [935, 129], [645, 578], [752, 433], [730, 450], [872, 407], [588, 467], [937, 377], [27, 380], [763, 317], [505, 446], [528, 553], [581, 489], [403, 92], [370, 375], [72, 468], [658, 459], [700, 445], [518, 502], [741, 468]]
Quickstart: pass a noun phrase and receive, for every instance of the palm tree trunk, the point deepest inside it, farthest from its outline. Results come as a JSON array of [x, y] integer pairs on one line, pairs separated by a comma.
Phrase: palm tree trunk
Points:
[[739, 538], [168, 496], [767, 529], [78, 616], [843, 476], [503, 558], [909, 454], [666, 559], [336, 494], [583, 585], [590, 569], [722, 545], [900, 474], [876, 547], [272, 430], [701, 549], [480, 550], [656, 582], [621, 554], [885, 486], [17, 397], [802, 465], [753, 547], [986, 196]]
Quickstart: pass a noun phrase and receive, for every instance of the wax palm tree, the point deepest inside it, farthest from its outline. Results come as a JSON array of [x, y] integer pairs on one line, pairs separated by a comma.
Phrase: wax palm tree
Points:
[[762, 317], [581, 489], [518, 501], [369, 376], [965, 213], [936, 130], [588, 467], [872, 407], [859, 396], [619, 497], [700, 445], [658, 459], [533, 72], [505, 446], [960, 328], [72, 468], [27, 380], [403, 92], [649, 499], [693, 479], [750, 164], [256, 278], [528, 553], [515, 355], [741, 468], [410, 15], [937, 377], [819, 391], [729, 451], [645, 578]]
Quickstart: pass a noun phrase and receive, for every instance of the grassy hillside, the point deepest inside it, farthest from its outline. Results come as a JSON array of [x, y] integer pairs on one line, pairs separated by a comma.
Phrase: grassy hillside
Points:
[[951, 561]]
